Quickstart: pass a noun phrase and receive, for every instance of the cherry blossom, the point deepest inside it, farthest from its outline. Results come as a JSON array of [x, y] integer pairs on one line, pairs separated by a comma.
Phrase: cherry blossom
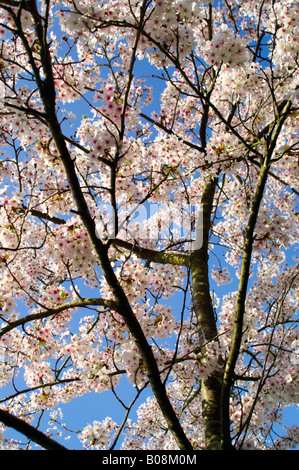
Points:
[[149, 221]]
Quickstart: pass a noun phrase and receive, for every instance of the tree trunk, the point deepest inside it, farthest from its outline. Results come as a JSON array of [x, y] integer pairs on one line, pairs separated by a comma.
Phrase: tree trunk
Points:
[[206, 323]]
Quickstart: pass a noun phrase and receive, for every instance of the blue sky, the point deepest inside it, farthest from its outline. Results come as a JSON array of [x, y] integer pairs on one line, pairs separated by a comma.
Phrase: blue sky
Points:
[[84, 410]]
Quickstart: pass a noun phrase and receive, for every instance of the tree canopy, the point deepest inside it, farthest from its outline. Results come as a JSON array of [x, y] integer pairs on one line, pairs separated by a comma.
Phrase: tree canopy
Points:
[[149, 222]]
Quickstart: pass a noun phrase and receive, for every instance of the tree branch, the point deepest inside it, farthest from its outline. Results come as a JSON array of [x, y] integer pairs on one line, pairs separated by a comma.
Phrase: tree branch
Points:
[[29, 431], [60, 308], [176, 259], [240, 305], [47, 89]]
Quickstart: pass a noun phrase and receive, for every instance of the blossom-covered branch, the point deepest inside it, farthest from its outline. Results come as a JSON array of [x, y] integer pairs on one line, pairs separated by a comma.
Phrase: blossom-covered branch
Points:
[[149, 221]]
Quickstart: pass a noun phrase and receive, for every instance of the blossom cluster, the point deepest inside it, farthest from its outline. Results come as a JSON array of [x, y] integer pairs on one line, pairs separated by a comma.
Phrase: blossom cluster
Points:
[[154, 101], [225, 48]]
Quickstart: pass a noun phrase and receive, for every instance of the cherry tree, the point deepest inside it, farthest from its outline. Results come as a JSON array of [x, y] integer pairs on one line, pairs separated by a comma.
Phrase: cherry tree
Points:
[[149, 220]]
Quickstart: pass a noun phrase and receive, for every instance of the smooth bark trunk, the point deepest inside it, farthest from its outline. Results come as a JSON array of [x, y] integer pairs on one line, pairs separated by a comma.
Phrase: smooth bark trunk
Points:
[[206, 322]]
